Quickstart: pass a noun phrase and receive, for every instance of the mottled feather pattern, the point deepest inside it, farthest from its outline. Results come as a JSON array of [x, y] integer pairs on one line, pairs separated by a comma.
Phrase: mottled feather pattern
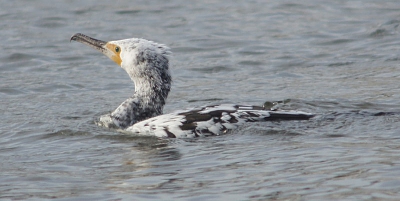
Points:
[[147, 64], [208, 120]]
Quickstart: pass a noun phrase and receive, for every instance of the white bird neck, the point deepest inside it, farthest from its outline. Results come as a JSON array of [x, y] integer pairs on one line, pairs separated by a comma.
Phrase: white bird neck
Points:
[[152, 92]]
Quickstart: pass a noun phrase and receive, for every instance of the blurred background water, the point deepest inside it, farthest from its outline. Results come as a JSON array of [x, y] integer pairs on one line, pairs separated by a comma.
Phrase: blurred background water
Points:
[[338, 59]]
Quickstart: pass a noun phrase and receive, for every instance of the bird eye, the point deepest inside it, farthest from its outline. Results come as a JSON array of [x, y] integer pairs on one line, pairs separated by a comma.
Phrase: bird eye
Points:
[[117, 49]]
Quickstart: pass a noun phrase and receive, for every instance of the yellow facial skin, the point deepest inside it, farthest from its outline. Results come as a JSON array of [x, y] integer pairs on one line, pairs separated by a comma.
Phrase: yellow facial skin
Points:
[[116, 51]]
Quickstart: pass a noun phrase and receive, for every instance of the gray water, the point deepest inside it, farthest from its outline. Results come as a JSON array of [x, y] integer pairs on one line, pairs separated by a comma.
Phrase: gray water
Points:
[[338, 59]]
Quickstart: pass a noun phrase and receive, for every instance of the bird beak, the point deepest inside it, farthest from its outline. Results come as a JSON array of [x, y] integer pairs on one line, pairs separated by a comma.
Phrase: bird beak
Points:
[[106, 48]]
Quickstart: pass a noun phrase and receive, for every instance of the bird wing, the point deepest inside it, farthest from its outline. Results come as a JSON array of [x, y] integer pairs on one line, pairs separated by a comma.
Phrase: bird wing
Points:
[[209, 120]]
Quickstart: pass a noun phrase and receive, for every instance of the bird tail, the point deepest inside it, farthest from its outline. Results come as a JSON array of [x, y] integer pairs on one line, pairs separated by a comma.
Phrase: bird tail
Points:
[[288, 115], [255, 113]]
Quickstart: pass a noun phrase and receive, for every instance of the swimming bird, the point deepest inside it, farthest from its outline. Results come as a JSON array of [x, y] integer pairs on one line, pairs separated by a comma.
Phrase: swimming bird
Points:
[[147, 64]]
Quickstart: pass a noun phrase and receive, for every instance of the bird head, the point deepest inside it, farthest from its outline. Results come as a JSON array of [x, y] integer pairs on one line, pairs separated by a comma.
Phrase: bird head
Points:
[[138, 57]]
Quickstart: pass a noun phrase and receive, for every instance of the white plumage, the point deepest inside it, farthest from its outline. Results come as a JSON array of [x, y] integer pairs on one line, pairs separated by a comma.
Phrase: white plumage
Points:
[[147, 64], [206, 121]]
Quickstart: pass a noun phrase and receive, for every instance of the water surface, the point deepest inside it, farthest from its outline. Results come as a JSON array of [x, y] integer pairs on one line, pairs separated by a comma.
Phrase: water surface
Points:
[[337, 59]]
